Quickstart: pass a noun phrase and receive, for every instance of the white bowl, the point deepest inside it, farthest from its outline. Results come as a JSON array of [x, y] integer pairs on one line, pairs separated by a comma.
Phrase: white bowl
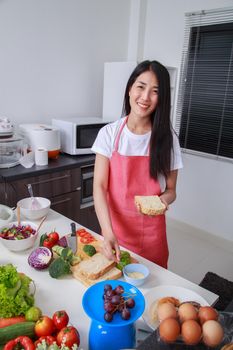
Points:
[[34, 209], [135, 268], [18, 245], [6, 214]]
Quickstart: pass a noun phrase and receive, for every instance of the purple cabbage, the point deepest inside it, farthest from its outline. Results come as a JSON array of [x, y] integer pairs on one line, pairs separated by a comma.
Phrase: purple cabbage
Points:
[[40, 258]]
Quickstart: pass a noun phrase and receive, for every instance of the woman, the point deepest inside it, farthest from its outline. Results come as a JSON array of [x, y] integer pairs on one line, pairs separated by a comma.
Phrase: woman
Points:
[[137, 155]]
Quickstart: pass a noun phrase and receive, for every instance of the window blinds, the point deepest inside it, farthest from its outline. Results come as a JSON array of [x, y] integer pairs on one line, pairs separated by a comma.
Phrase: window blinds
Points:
[[204, 115]]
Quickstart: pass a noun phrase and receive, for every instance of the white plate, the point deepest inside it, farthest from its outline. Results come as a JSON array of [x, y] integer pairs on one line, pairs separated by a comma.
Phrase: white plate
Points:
[[162, 291]]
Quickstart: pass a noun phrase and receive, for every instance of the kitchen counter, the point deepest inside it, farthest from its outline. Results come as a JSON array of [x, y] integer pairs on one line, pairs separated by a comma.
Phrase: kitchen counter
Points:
[[66, 293], [63, 162]]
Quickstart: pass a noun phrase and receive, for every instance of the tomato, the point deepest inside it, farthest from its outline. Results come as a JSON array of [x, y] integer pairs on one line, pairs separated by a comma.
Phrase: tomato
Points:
[[86, 240], [81, 232], [68, 336], [54, 236], [48, 243], [60, 319], [49, 339], [44, 326]]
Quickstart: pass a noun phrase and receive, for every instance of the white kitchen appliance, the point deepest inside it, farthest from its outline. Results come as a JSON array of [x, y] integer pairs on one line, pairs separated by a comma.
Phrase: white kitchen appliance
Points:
[[41, 136], [11, 145], [78, 134]]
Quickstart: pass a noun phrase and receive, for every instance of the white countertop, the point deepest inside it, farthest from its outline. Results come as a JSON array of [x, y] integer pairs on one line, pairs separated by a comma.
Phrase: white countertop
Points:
[[66, 293]]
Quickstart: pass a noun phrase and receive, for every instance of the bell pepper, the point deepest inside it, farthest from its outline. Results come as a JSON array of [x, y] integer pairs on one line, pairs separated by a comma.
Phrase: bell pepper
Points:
[[21, 342]]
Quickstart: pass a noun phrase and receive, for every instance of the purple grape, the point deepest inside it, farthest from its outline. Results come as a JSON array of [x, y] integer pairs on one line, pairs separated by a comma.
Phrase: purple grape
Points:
[[107, 287], [109, 307], [108, 317], [125, 314], [116, 299], [119, 290], [130, 303]]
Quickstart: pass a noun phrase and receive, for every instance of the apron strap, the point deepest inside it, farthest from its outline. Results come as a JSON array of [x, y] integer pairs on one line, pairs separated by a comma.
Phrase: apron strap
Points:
[[119, 134]]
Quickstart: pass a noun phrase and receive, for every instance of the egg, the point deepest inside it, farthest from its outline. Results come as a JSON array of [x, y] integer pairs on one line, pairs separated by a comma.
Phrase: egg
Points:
[[186, 312], [212, 333], [191, 332], [169, 330], [207, 313], [166, 310]]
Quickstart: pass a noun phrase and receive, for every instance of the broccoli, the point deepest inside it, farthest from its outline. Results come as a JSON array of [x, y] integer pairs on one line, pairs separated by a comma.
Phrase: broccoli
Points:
[[125, 259], [89, 249]]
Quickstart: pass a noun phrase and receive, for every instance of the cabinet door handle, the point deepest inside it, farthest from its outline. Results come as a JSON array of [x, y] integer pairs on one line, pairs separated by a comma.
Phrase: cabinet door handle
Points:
[[61, 201], [51, 180], [78, 189]]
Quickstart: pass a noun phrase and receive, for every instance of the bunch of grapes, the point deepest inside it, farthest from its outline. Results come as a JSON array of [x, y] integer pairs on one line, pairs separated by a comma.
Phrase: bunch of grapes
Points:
[[115, 301]]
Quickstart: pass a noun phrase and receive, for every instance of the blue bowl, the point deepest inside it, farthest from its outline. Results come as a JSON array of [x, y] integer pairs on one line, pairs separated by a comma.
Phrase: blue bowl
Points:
[[136, 268], [118, 333]]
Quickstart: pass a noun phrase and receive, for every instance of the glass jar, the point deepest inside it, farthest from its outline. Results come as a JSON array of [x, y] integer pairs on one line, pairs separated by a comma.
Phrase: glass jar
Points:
[[11, 150]]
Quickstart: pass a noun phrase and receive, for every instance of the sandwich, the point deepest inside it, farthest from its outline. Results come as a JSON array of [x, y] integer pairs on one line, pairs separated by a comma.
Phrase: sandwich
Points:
[[150, 205], [95, 267]]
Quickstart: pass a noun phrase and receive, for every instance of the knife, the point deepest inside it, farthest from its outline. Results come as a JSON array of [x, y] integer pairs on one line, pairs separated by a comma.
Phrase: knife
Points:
[[72, 239]]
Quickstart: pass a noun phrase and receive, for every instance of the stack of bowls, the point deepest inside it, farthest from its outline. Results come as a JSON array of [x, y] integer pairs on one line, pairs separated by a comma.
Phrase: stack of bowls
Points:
[[34, 208]]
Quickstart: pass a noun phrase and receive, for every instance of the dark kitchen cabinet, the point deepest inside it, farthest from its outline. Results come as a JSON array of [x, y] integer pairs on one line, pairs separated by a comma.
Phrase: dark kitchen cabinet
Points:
[[69, 190]]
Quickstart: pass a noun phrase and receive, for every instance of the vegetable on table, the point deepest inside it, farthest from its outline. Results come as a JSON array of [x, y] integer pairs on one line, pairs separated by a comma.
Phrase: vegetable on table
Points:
[[15, 295], [89, 249], [48, 339], [40, 258], [125, 259], [60, 319], [68, 336], [67, 254], [8, 321], [49, 240], [44, 326], [16, 330], [21, 342]]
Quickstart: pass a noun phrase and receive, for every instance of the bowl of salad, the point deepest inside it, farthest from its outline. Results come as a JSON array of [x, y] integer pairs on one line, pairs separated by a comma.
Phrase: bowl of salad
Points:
[[18, 237]]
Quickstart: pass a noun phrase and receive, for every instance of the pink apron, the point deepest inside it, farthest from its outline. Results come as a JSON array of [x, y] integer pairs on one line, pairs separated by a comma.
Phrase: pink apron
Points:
[[142, 234]]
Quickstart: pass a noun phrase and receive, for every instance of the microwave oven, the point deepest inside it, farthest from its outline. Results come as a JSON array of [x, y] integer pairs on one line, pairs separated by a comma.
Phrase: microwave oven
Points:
[[78, 134]]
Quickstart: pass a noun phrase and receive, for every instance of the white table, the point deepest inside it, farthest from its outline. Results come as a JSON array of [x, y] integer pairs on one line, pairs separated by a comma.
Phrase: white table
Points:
[[66, 293]]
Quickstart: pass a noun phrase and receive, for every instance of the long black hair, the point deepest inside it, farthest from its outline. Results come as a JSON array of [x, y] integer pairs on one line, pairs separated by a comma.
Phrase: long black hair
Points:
[[161, 142]]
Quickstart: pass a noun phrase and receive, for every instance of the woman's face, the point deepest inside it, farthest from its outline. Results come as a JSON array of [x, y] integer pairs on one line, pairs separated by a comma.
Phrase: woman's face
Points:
[[143, 95]]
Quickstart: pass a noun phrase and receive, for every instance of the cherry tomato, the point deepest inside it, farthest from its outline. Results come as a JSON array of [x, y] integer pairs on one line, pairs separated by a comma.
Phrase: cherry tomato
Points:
[[81, 232], [69, 336], [54, 236], [60, 319], [49, 339], [86, 240], [44, 326], [48, 243]]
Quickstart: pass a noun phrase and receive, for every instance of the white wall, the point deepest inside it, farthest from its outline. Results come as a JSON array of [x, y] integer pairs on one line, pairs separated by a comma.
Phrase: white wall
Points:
[[205, 186], [52, 55]]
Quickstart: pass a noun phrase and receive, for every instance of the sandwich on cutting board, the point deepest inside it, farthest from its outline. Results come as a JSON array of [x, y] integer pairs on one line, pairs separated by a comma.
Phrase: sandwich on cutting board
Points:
[[95, 269], [149, 205]]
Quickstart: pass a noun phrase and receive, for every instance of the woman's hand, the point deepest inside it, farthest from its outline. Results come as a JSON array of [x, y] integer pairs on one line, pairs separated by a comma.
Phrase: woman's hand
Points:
[[110, 246]]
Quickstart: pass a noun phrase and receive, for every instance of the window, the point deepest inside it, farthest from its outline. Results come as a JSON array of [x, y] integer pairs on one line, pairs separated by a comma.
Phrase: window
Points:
[[205, 101]]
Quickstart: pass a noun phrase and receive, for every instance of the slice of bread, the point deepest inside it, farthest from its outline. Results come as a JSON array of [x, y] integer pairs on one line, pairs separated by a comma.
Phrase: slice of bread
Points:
[[112, 274], [150, 205], [96, 266]]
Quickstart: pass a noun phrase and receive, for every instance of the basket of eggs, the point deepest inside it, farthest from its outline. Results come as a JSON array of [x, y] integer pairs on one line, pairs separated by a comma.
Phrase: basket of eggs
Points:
[[189, 323]]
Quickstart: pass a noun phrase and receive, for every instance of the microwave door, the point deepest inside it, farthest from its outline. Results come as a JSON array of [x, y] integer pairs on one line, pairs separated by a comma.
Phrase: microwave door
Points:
[[86, 135]]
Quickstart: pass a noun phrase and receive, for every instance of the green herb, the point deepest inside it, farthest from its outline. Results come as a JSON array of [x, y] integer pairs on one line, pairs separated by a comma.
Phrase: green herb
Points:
[[89, 249], [15, 296], [125, 259]]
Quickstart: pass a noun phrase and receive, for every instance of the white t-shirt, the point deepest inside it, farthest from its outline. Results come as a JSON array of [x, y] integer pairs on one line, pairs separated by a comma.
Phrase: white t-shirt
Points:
[[131, 144]]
